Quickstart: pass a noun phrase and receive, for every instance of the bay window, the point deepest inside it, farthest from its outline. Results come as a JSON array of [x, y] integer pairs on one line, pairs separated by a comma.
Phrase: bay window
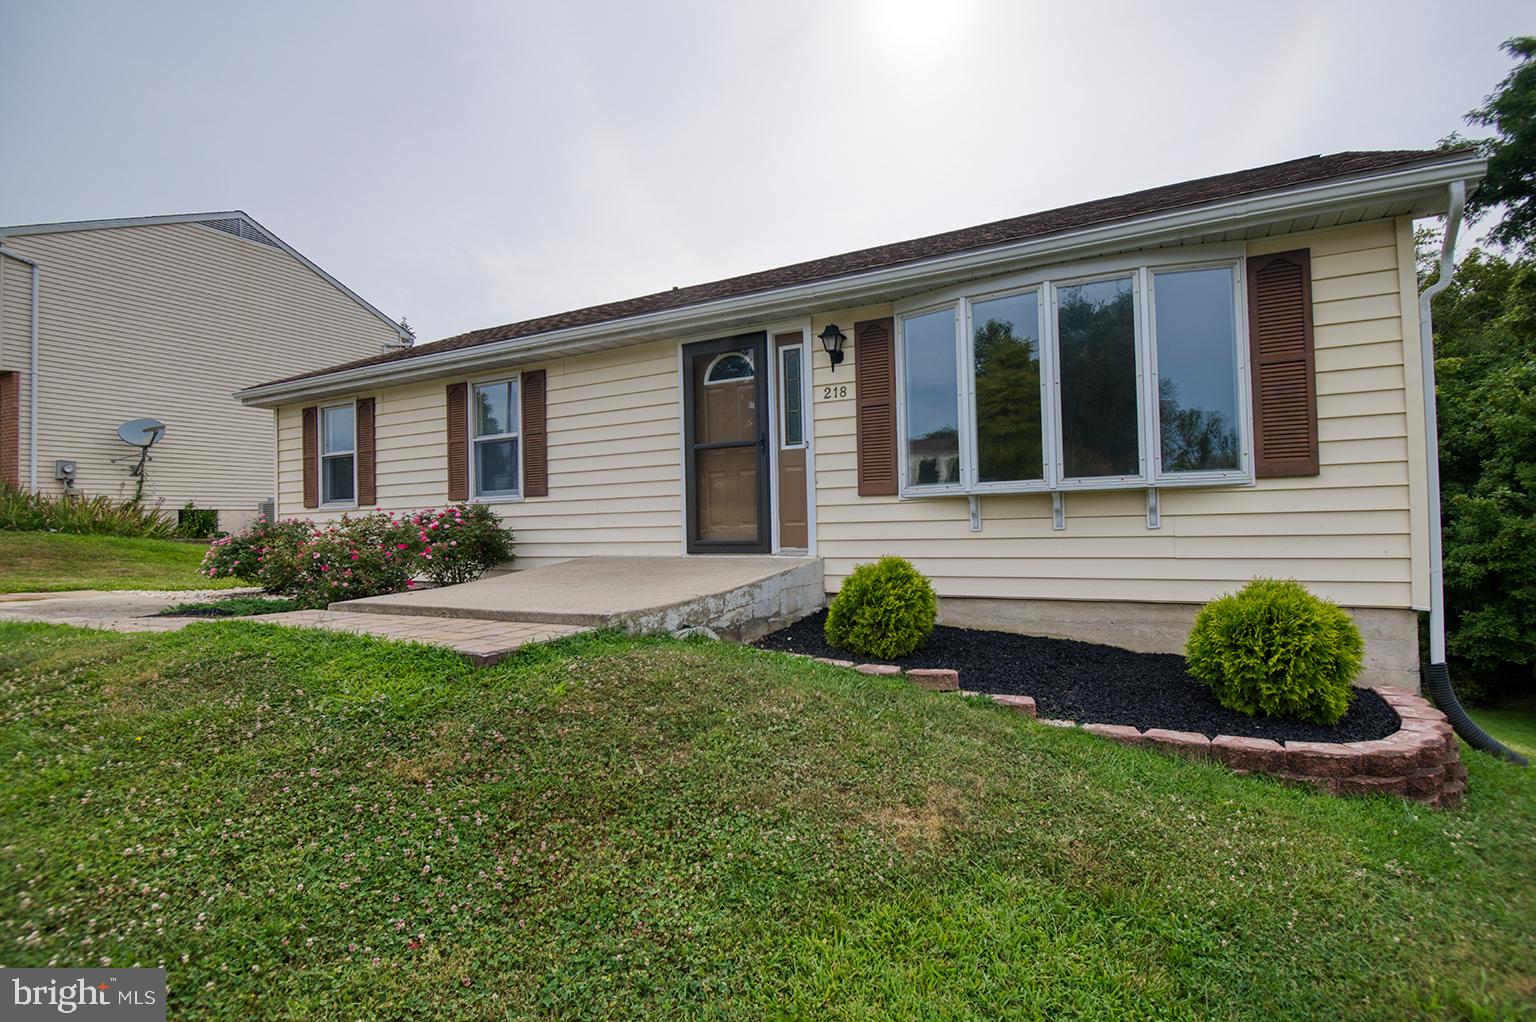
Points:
[[1125, 378]]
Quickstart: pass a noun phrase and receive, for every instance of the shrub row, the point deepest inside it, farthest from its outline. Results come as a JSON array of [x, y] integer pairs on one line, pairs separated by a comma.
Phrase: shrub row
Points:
[[100, 515], [1272, 648], [362, 555]]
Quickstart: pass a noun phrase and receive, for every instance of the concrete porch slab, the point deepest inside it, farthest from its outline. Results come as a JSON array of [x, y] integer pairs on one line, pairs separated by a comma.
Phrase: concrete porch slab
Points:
[[738, 597]]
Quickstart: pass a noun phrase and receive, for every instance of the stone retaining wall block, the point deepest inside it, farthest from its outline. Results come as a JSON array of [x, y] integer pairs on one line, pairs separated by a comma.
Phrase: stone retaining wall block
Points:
[[935, 679], [1240, 753], [1184, 743], [1018, 704]]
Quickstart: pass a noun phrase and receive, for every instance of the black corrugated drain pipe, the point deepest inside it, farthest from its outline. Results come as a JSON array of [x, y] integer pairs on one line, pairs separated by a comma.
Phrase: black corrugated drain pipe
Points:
[[1437, 681]]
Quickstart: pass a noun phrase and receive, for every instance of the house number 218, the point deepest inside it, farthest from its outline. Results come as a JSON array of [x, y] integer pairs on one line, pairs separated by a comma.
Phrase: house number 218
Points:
[[834, 391]]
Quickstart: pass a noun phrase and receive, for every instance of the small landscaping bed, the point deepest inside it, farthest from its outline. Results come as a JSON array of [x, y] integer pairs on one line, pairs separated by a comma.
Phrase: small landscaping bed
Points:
[[1094, 684]]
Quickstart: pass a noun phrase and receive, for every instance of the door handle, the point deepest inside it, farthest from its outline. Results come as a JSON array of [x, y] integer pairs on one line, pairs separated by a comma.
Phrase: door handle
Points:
[[762, 442]]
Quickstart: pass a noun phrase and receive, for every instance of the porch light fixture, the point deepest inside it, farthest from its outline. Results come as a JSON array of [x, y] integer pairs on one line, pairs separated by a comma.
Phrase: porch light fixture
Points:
[[832, 342]]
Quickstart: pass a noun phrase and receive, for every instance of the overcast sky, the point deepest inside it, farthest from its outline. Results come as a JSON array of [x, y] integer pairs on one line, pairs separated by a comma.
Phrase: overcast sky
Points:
[[470, 164]]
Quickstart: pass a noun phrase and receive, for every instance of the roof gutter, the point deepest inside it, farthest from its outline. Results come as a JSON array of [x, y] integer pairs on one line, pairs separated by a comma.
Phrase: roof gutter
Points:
[[864, 288], [32, 373], [1437, 673]]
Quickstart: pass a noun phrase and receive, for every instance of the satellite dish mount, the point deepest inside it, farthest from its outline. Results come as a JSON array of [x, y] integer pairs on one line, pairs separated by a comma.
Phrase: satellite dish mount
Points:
[[143, 434]]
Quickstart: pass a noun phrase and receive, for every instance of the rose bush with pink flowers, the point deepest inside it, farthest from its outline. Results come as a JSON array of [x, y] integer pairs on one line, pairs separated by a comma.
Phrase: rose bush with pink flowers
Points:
[[363, 555]]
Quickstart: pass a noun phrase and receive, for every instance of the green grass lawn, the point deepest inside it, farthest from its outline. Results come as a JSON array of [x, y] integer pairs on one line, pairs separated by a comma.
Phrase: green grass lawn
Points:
[[35, 562], [1516, 728], [311, 825]]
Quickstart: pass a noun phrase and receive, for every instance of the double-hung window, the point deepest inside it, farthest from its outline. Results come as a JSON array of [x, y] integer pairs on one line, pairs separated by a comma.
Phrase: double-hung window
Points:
[[338, 454], [1130, 377], [495, 435]]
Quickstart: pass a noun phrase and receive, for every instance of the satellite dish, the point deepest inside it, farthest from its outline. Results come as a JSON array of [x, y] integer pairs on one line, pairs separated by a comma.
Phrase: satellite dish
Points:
[[141, 432]]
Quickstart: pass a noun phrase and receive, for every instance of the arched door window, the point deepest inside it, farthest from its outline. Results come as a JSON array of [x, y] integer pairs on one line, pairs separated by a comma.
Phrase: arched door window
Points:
[[729, 367]]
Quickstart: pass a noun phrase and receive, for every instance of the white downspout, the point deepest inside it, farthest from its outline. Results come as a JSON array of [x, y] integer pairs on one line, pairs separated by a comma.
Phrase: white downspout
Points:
[[32, 374], [1453, 216], [1437, 675]]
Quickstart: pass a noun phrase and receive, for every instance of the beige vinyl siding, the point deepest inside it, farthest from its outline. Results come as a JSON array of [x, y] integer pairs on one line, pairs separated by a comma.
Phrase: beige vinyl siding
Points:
[[615, 482], [168, 321], [1354, 533]]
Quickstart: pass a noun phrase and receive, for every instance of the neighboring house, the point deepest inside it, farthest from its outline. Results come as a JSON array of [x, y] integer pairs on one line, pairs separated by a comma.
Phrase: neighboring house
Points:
[[1080, 423], [161, 317]]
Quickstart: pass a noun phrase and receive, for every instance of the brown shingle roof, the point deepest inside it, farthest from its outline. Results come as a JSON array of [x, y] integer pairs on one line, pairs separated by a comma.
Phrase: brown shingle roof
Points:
[[1221, 187]]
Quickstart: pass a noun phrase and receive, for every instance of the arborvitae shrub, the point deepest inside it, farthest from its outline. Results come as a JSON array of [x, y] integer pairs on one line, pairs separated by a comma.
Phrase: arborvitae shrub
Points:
[[885, 609], [1275, 649]]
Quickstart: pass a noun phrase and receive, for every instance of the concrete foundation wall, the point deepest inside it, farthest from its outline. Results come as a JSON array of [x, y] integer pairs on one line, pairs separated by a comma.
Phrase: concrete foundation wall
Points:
[[1391, 636]]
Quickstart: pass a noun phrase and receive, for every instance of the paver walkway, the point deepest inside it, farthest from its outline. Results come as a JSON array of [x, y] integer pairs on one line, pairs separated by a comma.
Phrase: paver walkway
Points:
[[481, 642]]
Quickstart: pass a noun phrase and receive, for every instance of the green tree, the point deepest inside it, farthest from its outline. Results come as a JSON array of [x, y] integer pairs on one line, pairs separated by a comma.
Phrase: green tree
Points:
[[1485, 368], [1511, 179]]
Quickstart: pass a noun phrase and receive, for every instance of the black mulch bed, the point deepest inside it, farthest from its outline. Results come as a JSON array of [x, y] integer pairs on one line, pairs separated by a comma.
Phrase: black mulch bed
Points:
[[1094, 684]]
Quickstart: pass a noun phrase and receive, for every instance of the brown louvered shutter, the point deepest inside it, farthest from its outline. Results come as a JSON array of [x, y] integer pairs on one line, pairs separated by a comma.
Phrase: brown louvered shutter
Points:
[[1284, 368], [367, 490], [535, 436], [458, 441], [874, 382], [312, 456]]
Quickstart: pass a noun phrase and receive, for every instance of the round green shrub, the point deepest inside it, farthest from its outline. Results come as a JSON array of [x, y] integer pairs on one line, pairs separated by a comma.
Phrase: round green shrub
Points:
[[885, 609], [1273, 648]]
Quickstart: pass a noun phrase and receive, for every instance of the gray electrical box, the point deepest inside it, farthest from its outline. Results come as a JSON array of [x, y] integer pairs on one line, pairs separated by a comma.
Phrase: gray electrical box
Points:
[[64, 470]]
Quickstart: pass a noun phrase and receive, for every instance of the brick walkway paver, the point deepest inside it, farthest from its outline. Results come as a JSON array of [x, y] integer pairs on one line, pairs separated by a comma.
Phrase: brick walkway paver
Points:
[[481, 642]]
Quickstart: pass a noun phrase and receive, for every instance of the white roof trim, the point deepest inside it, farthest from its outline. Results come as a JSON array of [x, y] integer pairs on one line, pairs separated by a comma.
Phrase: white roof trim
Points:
[[1420, 182], [70, 226]]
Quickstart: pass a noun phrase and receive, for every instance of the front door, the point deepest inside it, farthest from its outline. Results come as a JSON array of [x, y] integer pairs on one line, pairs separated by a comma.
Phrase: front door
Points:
[[725, 441]]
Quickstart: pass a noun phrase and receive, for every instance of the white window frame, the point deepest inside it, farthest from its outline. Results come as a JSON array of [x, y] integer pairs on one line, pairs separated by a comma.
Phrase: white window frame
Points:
[[784, 444], [972, 465], [325, 455], [1138, 342], [498, 496], [1047, 281], [967, 460], [1244, 472]]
